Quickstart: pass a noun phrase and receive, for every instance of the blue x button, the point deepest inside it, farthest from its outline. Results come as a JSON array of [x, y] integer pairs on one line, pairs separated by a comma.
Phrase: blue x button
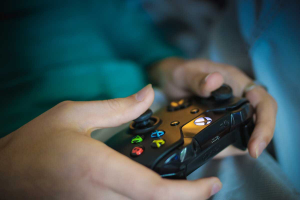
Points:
[[157, 134]]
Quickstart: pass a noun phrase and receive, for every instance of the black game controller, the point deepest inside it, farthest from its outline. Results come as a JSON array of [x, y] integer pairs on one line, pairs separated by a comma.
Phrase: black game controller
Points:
[[187, 133]]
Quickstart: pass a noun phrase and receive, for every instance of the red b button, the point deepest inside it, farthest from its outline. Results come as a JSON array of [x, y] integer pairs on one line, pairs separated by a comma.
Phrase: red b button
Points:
[[137, 151]]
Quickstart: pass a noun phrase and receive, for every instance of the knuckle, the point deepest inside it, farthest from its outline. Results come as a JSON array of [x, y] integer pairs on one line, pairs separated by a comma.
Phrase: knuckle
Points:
[[63, 110], [204, 62], [65, 105], [230, 68], [229, 71], [113, 104], [274, 102]]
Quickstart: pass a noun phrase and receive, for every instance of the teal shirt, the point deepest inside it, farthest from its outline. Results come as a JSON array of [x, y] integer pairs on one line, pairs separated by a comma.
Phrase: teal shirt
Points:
[[71, 50]]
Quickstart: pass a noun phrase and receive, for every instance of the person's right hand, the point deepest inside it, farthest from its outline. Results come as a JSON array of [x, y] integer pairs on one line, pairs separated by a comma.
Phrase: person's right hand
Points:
[[181, 78], [54, 157]]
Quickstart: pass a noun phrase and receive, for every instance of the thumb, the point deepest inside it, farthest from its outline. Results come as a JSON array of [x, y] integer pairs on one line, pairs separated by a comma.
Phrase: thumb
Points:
[[91, 115]]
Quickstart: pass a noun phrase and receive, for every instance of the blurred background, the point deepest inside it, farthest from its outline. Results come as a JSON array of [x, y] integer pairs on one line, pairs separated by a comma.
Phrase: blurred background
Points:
[[79, 50]]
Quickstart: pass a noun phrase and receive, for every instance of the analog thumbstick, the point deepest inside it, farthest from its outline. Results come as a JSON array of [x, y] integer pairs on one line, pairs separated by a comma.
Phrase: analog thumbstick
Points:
[[144, 119], [223, 93]]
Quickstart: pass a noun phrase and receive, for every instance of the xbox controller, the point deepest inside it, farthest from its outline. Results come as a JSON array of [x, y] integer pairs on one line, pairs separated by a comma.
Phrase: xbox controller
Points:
[[181, 137]]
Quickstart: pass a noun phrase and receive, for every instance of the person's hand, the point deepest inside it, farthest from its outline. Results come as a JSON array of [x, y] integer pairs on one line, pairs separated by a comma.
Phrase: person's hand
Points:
[[54, 157], [180, 78]]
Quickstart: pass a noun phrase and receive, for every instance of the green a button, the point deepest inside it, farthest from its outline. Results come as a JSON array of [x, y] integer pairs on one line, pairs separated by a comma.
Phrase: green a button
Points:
[[136, 139]]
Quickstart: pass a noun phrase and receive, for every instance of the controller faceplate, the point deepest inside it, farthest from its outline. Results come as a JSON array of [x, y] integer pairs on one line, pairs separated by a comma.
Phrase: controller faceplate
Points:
[[188, 135]]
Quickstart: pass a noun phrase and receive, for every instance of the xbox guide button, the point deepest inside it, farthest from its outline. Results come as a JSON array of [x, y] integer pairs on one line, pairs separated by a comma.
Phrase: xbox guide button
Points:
[[201, 121]]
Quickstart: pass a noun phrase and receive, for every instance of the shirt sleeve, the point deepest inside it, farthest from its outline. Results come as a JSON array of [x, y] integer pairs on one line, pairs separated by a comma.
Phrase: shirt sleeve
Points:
[[132, 34]]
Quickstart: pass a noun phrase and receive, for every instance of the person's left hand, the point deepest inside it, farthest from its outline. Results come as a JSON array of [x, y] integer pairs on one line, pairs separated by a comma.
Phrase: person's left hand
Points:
[[180, 78], [54, 157]]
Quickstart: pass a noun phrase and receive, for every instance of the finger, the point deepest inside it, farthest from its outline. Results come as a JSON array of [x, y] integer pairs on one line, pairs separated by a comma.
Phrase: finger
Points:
[[266, 109], [230, 151], [181, 189], [135, 181], [230, 75], [88, 116], [200, 82], [203, 86]]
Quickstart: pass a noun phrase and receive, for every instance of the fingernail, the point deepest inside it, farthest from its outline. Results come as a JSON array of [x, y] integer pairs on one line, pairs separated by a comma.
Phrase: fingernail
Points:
[[140, 96], [215, 189], [260, 148], [207, 77]]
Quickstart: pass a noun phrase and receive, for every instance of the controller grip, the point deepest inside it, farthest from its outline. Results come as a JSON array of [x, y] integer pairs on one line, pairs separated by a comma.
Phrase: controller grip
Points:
[[246, 132], [247, 126]]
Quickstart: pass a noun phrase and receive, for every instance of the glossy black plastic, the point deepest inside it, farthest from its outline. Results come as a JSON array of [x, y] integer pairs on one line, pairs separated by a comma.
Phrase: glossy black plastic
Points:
[[190, 144], [223, 93]]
